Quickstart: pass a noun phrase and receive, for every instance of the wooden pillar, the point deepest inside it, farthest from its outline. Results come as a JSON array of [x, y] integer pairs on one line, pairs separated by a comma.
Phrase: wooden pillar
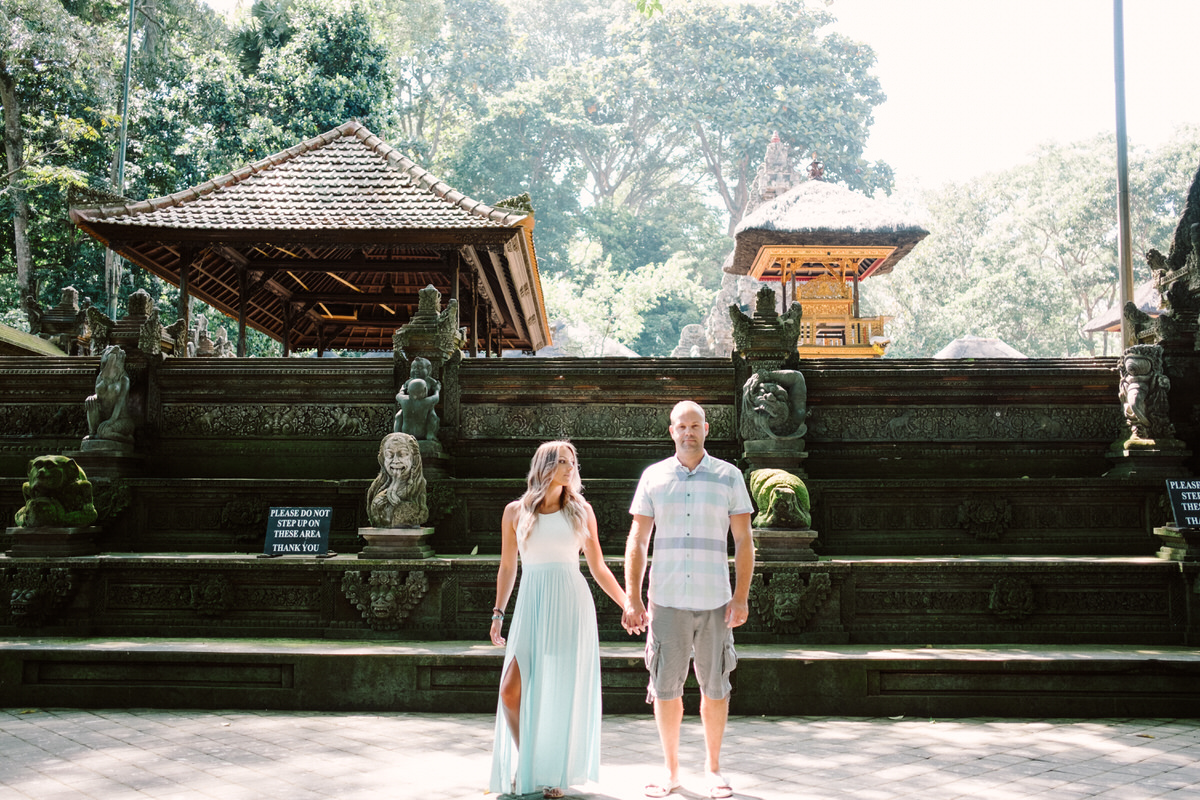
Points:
[[488, 349], [457, 269], [320, 341], [857, 328], [186, 256], [287, 328], [243, 303], [475, 319]]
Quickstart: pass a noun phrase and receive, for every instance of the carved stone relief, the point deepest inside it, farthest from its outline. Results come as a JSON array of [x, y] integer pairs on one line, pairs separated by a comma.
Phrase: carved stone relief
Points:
[[784, 603], [385, 597], [212, 596], [495, 421], [1012, 598], [35, 594], [310, 421], [985, 518], [44, 419], [965, 423]]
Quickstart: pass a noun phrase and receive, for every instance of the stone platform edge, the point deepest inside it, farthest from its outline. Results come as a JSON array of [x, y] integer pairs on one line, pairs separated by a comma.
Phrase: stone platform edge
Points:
[[462, 677]]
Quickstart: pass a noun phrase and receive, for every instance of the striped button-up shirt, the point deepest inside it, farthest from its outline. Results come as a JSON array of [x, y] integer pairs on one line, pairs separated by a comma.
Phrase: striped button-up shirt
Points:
[[691, 512]]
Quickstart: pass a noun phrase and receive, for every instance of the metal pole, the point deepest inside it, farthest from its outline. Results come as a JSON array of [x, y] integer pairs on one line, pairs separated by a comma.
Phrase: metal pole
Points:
[[1124, 247], [113, 264]]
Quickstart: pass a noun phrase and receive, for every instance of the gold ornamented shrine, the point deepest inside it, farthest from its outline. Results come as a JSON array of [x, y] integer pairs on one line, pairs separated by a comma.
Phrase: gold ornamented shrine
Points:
[[818, 241]]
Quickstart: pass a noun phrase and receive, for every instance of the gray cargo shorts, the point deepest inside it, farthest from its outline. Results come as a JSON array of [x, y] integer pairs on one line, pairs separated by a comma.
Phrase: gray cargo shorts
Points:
[[677, 636]]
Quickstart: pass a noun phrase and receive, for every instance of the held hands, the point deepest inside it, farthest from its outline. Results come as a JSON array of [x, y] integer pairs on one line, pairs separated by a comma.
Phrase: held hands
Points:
[[634, 619], [494, 633], [736, 613]]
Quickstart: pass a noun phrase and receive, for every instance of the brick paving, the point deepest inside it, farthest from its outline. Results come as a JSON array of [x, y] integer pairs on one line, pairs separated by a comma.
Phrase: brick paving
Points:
[[55, 754]]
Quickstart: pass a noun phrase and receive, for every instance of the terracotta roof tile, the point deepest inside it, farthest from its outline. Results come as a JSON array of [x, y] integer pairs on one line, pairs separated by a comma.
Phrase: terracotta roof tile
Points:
[[347, 178]]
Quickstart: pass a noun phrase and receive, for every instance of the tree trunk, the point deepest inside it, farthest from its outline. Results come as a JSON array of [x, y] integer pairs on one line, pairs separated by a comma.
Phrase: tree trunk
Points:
[[14, 151]]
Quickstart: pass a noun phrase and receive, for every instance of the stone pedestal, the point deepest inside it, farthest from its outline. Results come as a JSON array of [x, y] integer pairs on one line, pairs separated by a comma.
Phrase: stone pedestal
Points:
[[1149, 462], [1179, 544], [102, 458], [434, 462], [785, 454], [781, 544], [47, 542], [396, 542]]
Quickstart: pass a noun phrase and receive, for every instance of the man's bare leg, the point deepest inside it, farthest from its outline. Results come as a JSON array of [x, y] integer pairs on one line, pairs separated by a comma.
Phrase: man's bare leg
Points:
[[713, 713], [669, 716]]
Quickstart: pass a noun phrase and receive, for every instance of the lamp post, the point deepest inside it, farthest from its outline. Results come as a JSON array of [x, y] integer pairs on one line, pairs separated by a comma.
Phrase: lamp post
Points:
[[112, 262], [1124, 248]]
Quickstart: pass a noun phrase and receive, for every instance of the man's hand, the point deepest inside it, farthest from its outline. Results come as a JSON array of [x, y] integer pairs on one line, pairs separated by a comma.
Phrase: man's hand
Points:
[[736, 613], [634, 618]]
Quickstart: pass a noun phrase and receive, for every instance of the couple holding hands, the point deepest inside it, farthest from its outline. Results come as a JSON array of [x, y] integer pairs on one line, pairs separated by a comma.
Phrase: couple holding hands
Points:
[[548, 716]]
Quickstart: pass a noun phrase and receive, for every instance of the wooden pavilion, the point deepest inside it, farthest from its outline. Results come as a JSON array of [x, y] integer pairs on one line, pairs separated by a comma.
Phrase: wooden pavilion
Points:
[[819, 241], [326, 245]]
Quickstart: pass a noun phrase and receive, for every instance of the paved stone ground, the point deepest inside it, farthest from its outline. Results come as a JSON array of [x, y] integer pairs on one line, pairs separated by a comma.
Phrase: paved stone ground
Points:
[[53, 754]]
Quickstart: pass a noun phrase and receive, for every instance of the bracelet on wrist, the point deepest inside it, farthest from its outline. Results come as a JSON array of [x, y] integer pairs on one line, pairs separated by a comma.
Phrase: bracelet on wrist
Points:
[[497, 617]]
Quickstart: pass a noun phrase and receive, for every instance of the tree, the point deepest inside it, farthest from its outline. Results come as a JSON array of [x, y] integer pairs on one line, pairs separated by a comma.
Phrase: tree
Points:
[[734, 73], [43, 50], [1029, 255]]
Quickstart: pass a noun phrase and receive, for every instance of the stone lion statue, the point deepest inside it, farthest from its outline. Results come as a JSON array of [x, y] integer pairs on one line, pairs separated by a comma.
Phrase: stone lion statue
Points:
[[396, 498], [774, 405], [108, 413], [781, 498], [57, 495]]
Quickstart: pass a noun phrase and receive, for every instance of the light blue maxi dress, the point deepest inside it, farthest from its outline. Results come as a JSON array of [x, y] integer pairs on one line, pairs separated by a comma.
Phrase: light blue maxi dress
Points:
[[554, 640]]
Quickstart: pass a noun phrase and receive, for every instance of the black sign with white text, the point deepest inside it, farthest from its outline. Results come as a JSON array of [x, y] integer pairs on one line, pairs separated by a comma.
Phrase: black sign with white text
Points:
[[1185, 502], [298, 531]]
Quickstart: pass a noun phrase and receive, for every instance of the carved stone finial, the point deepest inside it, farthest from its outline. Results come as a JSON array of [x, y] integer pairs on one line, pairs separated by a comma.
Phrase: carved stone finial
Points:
[[768, 337]]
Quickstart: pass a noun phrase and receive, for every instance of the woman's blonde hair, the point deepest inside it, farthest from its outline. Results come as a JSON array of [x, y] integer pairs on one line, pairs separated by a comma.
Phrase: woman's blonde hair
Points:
[[537, 484]]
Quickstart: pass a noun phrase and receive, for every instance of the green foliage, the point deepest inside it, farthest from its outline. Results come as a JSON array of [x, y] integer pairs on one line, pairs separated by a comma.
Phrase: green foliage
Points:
[[1030, 255], [613, 305]]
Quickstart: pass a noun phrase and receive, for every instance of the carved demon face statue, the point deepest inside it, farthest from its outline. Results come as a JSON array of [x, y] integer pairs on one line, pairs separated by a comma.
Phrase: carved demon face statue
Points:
[[398, 460], [789, 593]]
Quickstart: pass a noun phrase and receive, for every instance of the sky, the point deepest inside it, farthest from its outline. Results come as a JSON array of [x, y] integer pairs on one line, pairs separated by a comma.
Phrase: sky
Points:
[[974, 86]]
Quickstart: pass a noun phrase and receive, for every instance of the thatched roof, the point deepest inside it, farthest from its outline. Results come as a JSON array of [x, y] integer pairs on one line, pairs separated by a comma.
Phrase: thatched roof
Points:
[[978, 347], [819, 214], [1146, 297]]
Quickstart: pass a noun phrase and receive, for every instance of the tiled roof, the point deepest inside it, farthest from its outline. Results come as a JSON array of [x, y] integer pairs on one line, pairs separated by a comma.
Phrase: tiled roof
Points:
[[347, 178]]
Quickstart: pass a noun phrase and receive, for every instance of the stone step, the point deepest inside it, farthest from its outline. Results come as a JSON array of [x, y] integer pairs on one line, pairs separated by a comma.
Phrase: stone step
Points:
[[459, 676]]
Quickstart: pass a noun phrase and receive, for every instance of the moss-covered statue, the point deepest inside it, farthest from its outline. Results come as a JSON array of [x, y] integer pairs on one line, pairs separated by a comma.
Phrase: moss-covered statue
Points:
[[396, 498], [57, 495], [781, 499]]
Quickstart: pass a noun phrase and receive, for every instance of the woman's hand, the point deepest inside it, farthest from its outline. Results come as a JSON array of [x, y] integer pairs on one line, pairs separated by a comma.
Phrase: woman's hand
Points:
[[497, 639]]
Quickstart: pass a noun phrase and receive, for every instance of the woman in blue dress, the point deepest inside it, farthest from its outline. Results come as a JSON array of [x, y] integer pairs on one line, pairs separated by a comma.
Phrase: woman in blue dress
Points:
[[548, 716]]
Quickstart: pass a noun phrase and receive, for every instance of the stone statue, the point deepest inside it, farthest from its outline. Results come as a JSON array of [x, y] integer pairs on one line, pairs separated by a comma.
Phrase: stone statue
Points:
[[781, 498], [1143, 392], [396, 498], [767, 330], [139, 330], [222, 347], [108, 412], [57, 495], [416, 416], [774, 405]]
